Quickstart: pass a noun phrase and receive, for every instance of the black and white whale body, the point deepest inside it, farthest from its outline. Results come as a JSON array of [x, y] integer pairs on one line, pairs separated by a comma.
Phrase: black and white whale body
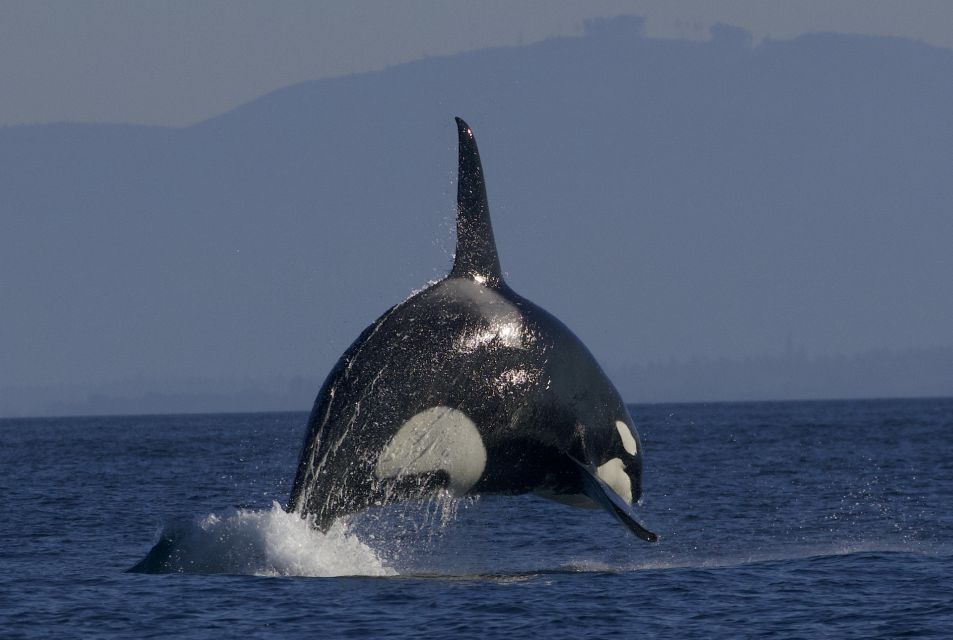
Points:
[[468, 387]]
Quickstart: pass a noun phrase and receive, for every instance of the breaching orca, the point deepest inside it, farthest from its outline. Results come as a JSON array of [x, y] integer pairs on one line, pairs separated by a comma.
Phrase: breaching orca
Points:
[[470, 388]]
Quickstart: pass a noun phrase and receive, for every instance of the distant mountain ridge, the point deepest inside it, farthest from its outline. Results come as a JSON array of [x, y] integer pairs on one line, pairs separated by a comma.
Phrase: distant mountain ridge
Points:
[[664, 198], [880, 373]]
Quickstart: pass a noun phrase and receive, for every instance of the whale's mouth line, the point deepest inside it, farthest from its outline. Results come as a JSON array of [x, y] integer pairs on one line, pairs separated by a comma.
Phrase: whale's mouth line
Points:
[[606, 497]]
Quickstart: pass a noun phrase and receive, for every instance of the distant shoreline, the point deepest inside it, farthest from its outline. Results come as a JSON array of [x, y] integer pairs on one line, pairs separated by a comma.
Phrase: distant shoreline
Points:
[[304, 413], [793, 376]]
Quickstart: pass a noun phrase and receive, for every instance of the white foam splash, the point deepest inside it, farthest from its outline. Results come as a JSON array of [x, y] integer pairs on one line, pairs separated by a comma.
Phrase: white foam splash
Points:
[[261, 542]]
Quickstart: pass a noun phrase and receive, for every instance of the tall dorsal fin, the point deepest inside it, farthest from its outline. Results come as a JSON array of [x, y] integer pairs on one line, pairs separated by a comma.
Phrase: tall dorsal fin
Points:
[[476, 249]]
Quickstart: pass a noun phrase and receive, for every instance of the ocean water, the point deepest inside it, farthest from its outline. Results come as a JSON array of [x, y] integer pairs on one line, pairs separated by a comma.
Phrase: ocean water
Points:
[[829, 519]]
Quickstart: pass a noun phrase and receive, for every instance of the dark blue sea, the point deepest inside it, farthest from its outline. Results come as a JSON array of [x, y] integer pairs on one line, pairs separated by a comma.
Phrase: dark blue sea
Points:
[[787, 520]]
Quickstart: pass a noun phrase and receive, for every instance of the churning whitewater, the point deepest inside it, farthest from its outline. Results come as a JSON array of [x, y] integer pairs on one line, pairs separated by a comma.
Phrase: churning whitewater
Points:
[[262, 542]]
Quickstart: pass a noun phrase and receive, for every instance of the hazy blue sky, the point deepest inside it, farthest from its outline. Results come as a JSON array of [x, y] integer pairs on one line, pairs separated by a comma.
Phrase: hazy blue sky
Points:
[[718, 195], [179, 61]]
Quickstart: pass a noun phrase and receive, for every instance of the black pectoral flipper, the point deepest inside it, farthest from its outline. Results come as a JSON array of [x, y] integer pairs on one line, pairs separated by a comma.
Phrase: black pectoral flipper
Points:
[[609, 500], [476, 255]]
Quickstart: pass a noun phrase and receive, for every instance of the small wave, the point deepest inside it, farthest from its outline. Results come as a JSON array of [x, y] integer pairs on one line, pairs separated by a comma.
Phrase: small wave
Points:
[[813, 551], [263, 542], [782, 554]]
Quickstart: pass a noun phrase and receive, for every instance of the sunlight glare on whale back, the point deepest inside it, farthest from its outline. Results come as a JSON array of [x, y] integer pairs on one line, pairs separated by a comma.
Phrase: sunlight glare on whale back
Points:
[[503, 321]]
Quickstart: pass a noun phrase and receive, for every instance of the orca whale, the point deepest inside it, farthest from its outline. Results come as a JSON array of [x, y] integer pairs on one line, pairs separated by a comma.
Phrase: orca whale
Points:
[[470, 388]]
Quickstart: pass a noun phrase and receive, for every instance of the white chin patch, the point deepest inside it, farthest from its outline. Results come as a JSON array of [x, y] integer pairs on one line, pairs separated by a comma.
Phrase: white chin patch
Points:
[[436, 439], [628, 440], [613, 474]]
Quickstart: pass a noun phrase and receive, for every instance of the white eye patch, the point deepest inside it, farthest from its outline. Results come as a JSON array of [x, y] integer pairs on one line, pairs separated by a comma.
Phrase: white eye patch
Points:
[[436, 439], [628, 440]]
